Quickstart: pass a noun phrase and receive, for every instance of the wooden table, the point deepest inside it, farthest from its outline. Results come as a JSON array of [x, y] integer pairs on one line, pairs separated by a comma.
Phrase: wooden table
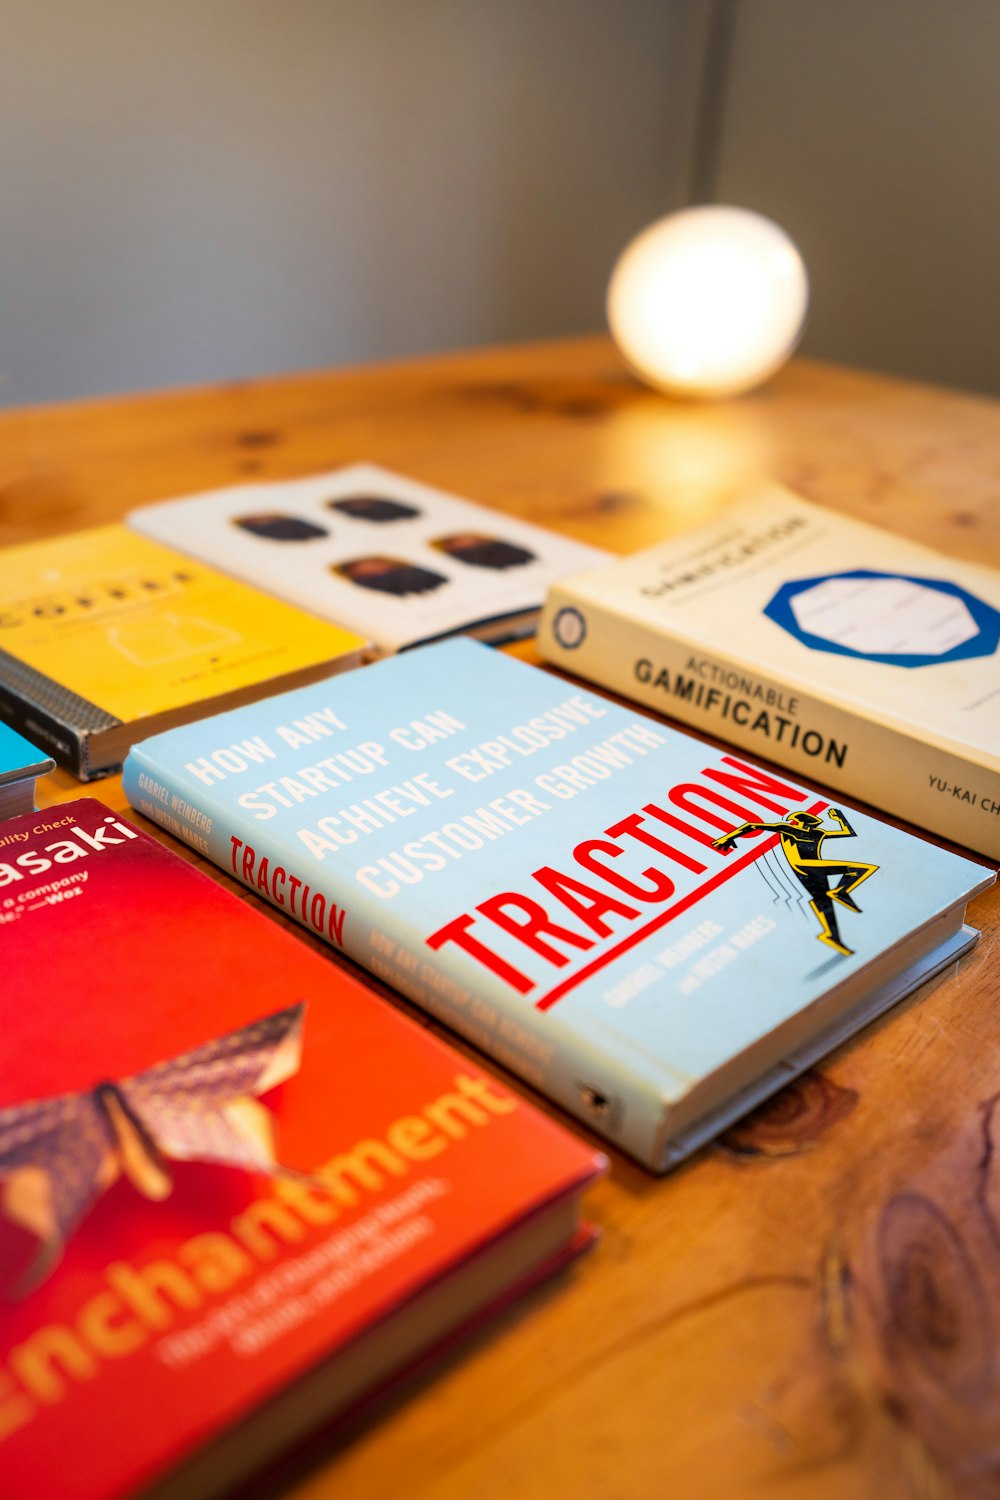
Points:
[[812, 1306]]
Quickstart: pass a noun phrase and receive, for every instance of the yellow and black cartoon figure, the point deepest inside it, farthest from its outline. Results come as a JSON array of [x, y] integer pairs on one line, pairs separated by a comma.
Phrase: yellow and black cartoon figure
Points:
[[801, 837]]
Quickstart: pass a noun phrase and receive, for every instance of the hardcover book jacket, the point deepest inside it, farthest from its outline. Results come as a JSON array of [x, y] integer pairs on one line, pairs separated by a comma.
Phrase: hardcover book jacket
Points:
[[222, 1163], [619, 911]]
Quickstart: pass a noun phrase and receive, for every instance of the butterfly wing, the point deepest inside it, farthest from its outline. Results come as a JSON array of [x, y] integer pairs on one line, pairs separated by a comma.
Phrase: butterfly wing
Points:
[[56, 1157], [202, 1106]]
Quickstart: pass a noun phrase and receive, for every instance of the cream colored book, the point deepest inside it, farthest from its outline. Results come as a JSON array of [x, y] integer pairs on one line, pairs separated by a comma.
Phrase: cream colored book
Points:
[[844, 652]]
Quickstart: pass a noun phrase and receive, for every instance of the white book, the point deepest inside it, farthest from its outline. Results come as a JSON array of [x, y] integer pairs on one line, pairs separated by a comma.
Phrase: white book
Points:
[[396, 560], [844, 652]]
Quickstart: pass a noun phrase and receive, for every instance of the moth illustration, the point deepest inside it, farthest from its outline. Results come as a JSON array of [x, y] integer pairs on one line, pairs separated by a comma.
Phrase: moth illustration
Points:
[[57, 1156]]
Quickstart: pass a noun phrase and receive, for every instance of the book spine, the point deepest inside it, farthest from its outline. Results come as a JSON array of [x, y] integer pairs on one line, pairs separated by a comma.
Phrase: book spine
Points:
[[772, 719], [557, 1056]]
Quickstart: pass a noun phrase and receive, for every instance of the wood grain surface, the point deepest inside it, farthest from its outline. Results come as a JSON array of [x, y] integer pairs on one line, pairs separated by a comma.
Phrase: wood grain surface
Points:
[[811, 1306]]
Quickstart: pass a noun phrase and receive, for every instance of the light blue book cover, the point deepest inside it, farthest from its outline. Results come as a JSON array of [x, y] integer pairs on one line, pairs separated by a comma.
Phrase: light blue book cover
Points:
[[19, 759], [652, 930]]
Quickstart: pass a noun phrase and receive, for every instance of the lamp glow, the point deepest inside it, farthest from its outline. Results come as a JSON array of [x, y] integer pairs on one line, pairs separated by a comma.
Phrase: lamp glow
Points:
[[708, 301]]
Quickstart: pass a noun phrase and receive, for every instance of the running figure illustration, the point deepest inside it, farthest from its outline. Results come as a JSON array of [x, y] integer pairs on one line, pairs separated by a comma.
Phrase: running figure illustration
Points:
[[802, 835]]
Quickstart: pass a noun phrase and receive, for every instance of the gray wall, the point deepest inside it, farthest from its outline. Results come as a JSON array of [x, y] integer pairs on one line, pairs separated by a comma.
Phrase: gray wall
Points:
[[871, 130], [198, 189]]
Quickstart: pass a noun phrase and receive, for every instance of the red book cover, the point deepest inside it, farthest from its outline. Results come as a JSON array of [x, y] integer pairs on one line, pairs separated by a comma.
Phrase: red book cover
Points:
[[233, 1181]]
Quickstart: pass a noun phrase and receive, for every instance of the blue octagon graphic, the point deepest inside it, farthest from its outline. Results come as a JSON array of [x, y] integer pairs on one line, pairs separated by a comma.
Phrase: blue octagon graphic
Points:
[[886, 617]]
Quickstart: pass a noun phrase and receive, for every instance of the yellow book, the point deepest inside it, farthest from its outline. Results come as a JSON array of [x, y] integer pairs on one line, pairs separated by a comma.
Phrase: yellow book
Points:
[[107, 637]]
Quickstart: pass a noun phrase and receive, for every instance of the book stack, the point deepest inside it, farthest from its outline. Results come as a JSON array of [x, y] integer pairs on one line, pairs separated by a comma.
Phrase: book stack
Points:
[[21, 764], [241, 1188], [237, 1189]]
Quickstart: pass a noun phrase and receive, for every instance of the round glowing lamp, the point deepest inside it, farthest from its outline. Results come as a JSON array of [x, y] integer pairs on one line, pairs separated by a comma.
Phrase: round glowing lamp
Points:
[[709, 301]]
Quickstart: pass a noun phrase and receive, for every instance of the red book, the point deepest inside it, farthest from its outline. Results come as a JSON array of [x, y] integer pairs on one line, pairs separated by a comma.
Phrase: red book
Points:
[[234, 1183]]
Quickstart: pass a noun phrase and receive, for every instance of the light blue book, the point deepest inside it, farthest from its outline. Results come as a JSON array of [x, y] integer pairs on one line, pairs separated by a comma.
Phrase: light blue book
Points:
[[21, 764], [651, 930]]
